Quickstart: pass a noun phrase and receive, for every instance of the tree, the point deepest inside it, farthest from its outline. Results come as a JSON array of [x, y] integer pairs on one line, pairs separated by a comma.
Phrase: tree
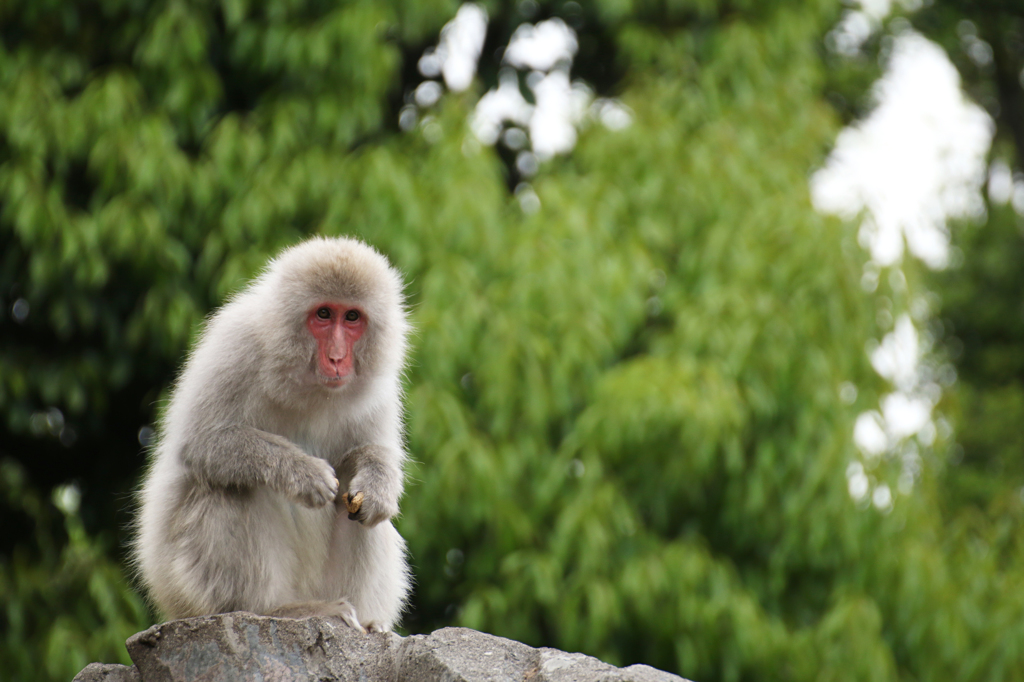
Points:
[[981, 301], [626, 406]]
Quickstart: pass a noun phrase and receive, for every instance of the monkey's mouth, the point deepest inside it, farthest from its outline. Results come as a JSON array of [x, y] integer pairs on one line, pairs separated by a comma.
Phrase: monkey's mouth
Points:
[[335, 381]]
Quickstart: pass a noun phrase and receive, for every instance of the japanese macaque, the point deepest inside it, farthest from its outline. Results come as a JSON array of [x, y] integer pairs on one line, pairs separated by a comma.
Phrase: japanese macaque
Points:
[[278, 467]]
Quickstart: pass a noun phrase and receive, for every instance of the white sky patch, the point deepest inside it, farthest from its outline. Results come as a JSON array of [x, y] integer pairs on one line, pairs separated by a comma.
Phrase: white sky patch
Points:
[[1018, 197], [869, 434], [546, 51], [857, 481], [916, 161], [905, 415], [536, 131], [542, 46], [612, 113], [859, 23], [1000, 183], [897, 356], [906, 412], [853, 30], [882, 497], [876, 10], [427, 94], [560, 108], [458, 51], [1006, 187], [498, 106], [551, 128]]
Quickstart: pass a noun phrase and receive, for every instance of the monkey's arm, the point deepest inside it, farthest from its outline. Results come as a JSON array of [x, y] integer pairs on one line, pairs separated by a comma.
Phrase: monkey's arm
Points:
[[375, 483], [241, 456]]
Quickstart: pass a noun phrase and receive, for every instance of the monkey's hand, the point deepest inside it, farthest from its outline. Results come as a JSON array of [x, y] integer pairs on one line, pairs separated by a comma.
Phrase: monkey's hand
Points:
[[367, 509], [353, 503], [311, 481], [375, 484], [366, 506]]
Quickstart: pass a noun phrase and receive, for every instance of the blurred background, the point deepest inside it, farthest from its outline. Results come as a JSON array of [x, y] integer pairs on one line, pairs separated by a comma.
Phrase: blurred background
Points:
[[720, 352]]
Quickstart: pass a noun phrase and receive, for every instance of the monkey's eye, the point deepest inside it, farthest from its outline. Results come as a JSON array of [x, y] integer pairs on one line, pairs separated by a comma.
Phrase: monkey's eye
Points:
[[352, 315], [324, 313]]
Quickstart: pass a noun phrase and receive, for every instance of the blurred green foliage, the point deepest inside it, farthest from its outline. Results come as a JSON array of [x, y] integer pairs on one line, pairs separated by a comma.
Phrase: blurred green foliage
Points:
[[65, 580], [624, 408]]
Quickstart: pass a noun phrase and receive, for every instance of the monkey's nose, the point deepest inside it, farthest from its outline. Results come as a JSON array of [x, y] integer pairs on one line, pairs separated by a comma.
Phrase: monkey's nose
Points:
[[337, 354]]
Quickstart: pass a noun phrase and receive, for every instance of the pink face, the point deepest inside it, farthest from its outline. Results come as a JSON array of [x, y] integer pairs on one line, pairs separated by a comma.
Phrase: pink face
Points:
[[336, 328]]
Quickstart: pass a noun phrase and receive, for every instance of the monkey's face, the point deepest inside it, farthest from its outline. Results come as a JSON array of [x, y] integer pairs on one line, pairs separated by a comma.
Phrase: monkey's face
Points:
[[336, 328]]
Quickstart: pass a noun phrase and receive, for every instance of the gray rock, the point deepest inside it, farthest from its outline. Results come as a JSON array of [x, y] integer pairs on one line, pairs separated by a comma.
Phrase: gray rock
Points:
[[108, 672], [558, 666], [243, 646], [464, 655]]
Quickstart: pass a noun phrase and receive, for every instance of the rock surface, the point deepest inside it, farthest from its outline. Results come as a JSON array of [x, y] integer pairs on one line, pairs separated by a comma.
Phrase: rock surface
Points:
[[108, 672], [243, 646]]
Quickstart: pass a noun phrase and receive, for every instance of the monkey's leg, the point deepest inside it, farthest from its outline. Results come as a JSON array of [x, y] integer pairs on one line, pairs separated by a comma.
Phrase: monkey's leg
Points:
[[368, 567], [233, 550]]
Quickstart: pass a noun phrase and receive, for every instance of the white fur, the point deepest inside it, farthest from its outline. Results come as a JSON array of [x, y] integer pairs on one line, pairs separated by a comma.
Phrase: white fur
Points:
[[226, 521]]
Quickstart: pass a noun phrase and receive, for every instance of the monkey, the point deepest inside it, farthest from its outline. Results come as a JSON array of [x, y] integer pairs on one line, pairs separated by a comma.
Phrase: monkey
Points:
[[291, 395]]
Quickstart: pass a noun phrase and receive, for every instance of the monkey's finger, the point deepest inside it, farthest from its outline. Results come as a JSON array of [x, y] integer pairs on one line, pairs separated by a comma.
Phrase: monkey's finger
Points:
[[353, 502]]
